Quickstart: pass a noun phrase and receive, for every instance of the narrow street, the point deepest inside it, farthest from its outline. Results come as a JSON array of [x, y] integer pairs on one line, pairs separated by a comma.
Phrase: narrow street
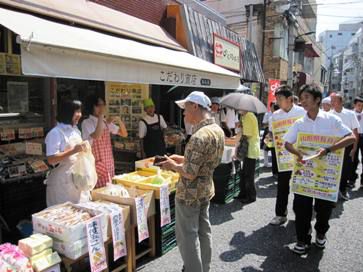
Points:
[[244, 240]]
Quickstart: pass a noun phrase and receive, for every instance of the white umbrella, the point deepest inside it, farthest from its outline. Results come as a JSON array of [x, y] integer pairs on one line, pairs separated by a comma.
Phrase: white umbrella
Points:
[[246, 102], [242, 88]]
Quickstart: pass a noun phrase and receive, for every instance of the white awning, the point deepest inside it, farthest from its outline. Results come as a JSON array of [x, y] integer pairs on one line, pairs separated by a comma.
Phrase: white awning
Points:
[[56, 50]]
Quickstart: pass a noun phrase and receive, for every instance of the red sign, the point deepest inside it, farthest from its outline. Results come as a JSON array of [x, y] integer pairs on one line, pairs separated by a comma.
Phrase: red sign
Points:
[[273, 85]]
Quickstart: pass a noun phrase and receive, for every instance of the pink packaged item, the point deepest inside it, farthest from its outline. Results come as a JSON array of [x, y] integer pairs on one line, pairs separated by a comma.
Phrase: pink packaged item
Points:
[[12, 258]]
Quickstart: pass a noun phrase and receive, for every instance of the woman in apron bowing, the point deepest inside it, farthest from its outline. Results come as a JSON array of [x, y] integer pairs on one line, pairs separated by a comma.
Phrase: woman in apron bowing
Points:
[[96, 129], [151, 133], [63, 143]]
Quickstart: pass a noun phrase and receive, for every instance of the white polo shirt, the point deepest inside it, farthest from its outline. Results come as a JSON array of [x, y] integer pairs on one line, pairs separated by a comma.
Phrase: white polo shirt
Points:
[[150, 120], [230, 117], [348, 118], [89, 126], [359, 116], [325, 123], [295, 111]]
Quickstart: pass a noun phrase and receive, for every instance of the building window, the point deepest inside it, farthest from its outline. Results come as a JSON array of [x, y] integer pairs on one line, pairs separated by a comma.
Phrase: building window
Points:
[[330, 36], [280, 42], [353, 34], [340, 34]]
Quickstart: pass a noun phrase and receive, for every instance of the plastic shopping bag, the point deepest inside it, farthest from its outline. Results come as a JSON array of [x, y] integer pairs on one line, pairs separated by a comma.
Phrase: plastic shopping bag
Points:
[[84, 173]]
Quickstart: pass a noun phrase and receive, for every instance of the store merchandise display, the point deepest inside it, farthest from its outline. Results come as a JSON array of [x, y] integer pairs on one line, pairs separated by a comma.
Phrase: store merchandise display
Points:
[[12, 259], [226, 182]]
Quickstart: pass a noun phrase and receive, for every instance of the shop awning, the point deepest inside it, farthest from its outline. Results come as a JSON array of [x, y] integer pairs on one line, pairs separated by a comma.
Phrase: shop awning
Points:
[[310, 51], [56, 50]]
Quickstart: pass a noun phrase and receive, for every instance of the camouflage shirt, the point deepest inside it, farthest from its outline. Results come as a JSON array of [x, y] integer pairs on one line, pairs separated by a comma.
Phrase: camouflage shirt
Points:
[[202, 155]]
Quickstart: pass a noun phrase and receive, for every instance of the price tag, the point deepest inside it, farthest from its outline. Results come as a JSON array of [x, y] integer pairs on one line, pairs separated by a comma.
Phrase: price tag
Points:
[[118, 235], [96, 247], [25, 133], [142, 228], [37, 132], [32, 148], [7, 134], [165, 217]]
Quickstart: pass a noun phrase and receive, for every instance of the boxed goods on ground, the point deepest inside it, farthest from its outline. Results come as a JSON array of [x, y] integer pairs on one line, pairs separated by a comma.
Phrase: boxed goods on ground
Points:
[[72, 250], [12, 259], [46, 262], [126, 195], [66, 222]]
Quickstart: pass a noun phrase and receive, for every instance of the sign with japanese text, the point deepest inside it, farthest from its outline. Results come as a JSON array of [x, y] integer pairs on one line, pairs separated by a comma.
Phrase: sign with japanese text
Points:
[[7, 134], [273, 85], [96, 247], [118, 235], [165, 217], [227, 53], [285, 160], [142, 228], [10, 64], [32, 148], [317, 177]]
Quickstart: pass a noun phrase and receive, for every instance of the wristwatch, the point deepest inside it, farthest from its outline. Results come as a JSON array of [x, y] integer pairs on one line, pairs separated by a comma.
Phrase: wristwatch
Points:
[[327, 150]]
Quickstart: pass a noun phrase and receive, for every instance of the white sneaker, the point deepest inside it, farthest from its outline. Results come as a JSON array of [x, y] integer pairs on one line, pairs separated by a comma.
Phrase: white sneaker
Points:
[[278, 220]]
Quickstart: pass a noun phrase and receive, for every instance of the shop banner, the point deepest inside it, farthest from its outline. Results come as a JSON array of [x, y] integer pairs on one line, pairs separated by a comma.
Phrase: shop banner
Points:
[[317, 177], [285, 160], [165, 217], [96, 247], [273, 85], [142, 228], [118, 235], [227, 53]]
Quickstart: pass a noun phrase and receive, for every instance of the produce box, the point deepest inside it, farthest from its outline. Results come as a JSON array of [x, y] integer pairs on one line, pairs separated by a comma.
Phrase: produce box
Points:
[[145, 163], [127, 199], [66, 222], [72, 250], [148, 180]]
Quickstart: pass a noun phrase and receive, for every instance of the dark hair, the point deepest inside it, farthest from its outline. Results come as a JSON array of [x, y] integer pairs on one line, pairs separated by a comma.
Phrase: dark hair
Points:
[[276, 107], [358, 99], [284, 90], [66, 110], [91, 102], [312, 89]]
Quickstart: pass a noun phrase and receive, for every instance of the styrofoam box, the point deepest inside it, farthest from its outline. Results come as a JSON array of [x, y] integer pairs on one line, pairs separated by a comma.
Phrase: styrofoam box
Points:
[[72, 250], [65, 233]]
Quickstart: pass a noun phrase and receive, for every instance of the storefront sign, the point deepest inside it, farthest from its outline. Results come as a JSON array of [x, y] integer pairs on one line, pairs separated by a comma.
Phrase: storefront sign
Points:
[[317, 177], [285, 160], [273, 84], [142, 228], [226, 53], [118, 235], [10, 64], [96, 248], [165, 217]]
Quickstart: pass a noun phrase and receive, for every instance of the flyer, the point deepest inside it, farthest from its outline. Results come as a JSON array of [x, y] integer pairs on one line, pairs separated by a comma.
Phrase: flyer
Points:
[[165, 217], [317, 177], [285, 160], [96, 247], [142, 227], [118, 235]]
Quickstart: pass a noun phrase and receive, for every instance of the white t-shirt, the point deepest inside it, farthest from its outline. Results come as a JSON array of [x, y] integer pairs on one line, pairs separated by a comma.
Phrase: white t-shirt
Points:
[[229, 116], [280, 114], [150, 120], [89, 126], [360, 121], [57, 138], [266, 117], [348, 118], [324, 124]]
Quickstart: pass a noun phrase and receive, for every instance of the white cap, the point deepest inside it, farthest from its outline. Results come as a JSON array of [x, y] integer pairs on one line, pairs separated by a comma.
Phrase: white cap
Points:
[[195, 97], [326, 100]]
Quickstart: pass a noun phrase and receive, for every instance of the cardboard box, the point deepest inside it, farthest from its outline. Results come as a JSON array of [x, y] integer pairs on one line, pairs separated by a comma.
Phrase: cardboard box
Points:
[[99, 194], [66, 233]]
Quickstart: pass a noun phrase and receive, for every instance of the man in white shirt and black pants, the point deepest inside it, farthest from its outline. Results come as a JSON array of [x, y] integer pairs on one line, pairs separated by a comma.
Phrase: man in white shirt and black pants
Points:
[[349, 119], [358, 107], [321, 123]]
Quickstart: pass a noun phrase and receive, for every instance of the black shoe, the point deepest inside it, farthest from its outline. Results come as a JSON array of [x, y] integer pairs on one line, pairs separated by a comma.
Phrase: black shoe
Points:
[[247, 200]]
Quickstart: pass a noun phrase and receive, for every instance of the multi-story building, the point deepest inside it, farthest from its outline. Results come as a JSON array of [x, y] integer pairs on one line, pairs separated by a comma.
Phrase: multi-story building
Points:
[[335, 79]]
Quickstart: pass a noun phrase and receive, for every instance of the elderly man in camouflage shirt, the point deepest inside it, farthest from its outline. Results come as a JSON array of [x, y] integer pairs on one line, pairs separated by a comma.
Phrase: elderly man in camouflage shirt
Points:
[[195, 188]]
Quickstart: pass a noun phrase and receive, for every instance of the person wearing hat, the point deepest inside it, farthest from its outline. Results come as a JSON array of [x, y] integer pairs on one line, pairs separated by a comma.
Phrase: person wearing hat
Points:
[[326, 104], [151, 133], [218, 116], [195, 188]]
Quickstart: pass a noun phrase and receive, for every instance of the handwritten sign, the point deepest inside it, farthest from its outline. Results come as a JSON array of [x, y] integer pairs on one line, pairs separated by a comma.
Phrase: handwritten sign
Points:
[[142, 228], [165, 217], [37, 132], [32, 148], [285, 160], [318, 177], [7, 134], [96, 247], [118, 235], [25, 133]]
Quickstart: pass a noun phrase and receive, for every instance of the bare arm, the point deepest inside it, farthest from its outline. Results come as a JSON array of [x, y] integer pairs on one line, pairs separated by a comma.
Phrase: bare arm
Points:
[[99, 129], [57, 158], [171, 164]]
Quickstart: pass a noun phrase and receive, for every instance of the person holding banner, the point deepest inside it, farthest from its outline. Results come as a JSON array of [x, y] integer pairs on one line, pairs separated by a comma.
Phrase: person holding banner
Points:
[[349, 119], [281, 121], [358, 107], [317, 124]]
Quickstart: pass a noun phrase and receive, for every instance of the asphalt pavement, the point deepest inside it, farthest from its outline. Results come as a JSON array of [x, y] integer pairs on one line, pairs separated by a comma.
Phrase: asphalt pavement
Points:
[[243, 240]]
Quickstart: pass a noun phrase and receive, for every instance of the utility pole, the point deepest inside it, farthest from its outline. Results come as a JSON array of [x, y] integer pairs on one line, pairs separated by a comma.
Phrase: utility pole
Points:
[[290, 50], [262, 86]]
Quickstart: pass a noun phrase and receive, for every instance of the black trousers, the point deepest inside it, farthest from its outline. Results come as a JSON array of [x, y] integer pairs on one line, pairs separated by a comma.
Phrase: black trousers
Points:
[[303, 208], [347, 169], [356, 161], [247, 180], [283, 190], [274, 161]]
